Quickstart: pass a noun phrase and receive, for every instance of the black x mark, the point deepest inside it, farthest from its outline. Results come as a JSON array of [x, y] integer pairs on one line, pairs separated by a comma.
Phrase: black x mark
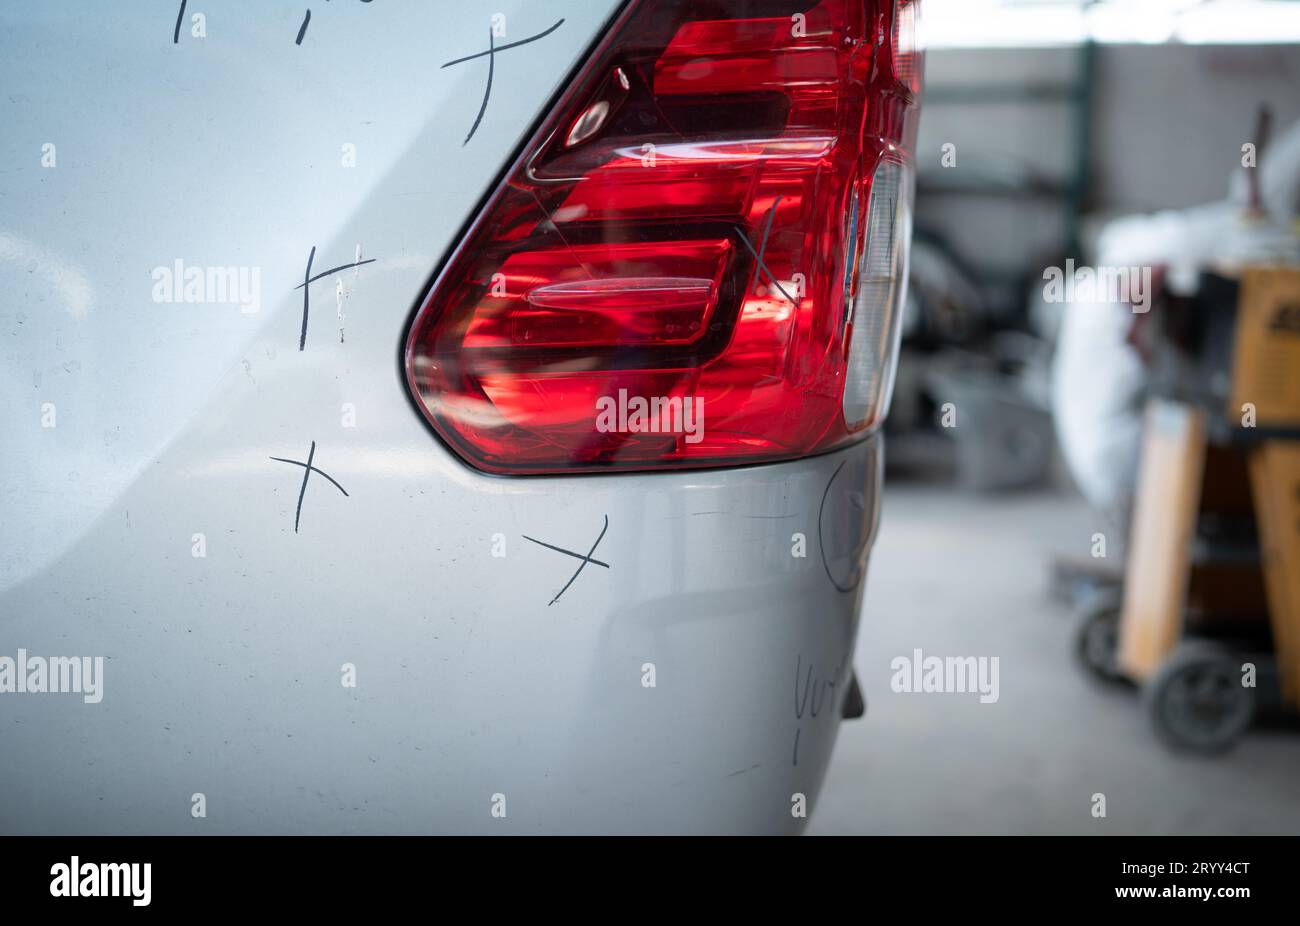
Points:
[[492, 51], [308, 279], [308, 469], [759, 266], [585, 559]]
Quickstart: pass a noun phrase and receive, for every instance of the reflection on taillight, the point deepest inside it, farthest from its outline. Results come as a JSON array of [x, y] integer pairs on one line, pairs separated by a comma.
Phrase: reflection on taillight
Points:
[[686, 230], [906, 47]]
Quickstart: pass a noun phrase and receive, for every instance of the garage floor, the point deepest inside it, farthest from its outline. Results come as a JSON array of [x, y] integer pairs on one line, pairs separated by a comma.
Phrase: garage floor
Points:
[[961, 575]]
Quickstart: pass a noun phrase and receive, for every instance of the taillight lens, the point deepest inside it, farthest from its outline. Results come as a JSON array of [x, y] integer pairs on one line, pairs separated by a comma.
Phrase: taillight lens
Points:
[[909, 63], [698, 259]]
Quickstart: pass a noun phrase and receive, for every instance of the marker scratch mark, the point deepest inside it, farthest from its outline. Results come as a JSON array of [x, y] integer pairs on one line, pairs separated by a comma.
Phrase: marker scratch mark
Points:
[[487, 90], [340, 267], [857, 577], [492, 51], [306, 298], [532, 38], [180, 15], [308, 279], [801, 703], [759, 265], [540, 543], [762, 246], [816, 691], [302, 492], [302, 30], [308, 469], [588, 558]]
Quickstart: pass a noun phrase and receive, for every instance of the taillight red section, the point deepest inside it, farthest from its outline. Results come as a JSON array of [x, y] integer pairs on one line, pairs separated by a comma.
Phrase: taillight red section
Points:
[[673, 271]]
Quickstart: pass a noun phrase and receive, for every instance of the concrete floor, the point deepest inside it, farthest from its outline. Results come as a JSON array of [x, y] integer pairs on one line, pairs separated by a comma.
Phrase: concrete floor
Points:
[[962, 575]]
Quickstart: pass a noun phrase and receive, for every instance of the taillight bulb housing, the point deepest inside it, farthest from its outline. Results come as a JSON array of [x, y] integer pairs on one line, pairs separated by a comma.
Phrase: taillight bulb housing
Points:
[[692, 262]]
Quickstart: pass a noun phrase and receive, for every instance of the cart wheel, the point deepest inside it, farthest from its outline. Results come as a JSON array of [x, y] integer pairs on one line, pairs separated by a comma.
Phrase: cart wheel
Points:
[[1196, 700], [1096, 638]]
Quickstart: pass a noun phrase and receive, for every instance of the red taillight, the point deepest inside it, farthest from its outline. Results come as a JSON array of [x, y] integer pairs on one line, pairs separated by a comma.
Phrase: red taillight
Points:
[[702, 244]]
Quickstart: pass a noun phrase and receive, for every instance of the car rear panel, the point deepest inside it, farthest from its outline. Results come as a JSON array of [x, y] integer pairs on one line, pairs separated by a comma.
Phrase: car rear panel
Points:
[[182, 428]]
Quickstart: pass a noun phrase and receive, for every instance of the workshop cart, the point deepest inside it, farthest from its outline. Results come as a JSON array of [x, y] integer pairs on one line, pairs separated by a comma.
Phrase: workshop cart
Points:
[[1207, 620]]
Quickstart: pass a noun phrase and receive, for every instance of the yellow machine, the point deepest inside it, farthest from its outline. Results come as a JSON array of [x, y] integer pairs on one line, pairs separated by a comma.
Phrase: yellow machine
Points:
[[1209, 619]]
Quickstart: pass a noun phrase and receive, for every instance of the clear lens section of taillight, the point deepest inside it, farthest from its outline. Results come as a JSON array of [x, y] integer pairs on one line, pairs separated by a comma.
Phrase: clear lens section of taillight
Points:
[[678, 271], [875, 319], [909, 56]]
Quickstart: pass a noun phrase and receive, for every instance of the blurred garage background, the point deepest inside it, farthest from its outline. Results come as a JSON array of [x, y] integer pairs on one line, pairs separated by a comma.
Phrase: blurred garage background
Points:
[[1100, 489]]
